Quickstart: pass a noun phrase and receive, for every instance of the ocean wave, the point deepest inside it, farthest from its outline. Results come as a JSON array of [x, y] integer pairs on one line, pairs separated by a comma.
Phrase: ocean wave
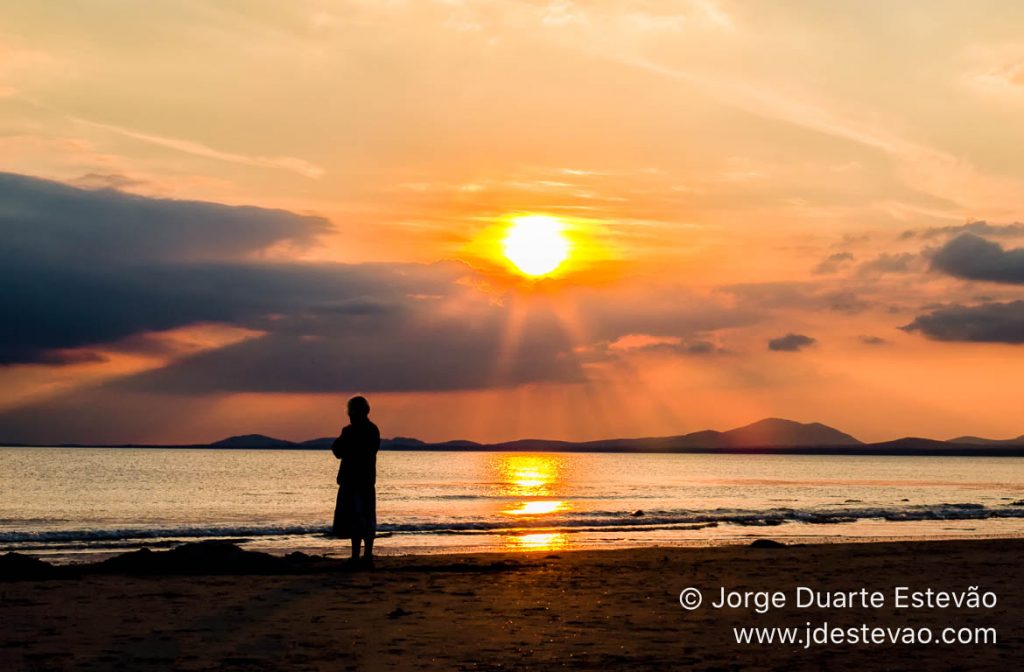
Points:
[[183, 532], [598, 520], [586, 521]]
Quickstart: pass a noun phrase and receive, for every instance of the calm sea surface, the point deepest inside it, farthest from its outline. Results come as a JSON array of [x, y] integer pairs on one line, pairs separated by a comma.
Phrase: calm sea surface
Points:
[[70, 503]]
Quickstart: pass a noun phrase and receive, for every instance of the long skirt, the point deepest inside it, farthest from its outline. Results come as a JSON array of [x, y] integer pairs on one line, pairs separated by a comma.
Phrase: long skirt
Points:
[[355, 514]]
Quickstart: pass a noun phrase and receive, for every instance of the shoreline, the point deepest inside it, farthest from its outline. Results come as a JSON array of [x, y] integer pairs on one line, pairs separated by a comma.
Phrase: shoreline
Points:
[[338, 548], [586, 609]]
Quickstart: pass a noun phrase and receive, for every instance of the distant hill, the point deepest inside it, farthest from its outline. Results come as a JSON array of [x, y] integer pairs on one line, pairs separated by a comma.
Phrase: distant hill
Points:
[[318, 443], [397, 443], [252, 441], [768, 433], [771, 435], [774, 432], [978, 441]]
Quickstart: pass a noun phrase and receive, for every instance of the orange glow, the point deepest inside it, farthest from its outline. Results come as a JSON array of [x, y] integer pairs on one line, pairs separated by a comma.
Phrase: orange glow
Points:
[[537, 508], [528, 475], [546, 541]]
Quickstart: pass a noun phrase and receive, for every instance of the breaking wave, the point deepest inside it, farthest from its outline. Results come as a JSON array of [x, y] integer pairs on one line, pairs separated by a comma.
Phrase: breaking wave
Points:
[[589, 521]]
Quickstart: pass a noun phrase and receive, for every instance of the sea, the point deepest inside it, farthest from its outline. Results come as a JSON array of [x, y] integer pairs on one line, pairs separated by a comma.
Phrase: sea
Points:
[[75, 504]]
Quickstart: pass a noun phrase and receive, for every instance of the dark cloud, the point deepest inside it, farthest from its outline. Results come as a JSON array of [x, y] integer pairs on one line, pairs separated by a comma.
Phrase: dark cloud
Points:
[[790, 343], [62, 308], [80, 268], [873, 340], [833, 263], [983, 323], [62, 226], [696, 348], [980, 228], [844, 301], [974, 258], [402, 348], [701, 348]]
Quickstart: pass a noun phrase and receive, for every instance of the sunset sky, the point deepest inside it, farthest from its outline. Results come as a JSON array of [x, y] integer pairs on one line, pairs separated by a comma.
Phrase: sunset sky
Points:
[[227, 217]]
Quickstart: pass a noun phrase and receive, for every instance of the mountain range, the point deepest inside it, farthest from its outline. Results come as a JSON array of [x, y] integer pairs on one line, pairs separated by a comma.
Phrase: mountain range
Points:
[[771, 435], [978, 441]]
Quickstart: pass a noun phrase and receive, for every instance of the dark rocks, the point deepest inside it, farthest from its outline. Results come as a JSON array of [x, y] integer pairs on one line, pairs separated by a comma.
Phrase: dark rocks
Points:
[[766, 543], [18, 567], [205, 557]]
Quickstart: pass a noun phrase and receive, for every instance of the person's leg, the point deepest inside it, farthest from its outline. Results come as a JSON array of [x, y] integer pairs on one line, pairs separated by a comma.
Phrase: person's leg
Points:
[[370, 528], [338, 524], [355, 548], [366, 562]]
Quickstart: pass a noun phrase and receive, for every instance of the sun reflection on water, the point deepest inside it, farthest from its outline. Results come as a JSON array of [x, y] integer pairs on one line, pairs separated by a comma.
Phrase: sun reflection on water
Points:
[[544, 541], [537, 508], [536, 481], [528, 475]]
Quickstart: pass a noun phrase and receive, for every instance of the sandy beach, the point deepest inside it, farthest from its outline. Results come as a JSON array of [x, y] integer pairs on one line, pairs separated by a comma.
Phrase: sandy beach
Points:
[[574, 610]]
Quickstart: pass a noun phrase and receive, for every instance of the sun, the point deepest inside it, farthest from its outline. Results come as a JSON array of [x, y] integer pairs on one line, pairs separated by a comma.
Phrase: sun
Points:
[[535, 244]]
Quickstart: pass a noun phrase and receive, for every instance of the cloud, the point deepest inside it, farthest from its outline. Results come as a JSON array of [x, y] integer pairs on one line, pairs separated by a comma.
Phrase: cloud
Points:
[[289, 163], [983, 323], [72, 308], [980, 228], [674, 345], [998, 72], [973, 258], [52, 223], [396, 346], [790, 343], [888, 263], [658, 310], [873, 340], [700, 348], [80, 268], [833, 263], [844, 301], [924, 168], [758, 297], [106, 181]]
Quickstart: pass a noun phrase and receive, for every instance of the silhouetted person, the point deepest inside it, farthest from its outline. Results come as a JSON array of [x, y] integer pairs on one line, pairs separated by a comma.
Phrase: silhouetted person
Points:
[[355, 515]]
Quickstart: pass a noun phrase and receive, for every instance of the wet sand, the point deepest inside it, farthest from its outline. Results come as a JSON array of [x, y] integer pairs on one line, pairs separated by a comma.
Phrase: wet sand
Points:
[[583, 610]]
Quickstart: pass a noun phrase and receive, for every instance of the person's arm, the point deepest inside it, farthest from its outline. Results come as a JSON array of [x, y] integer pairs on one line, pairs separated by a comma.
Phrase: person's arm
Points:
[[338, 447]]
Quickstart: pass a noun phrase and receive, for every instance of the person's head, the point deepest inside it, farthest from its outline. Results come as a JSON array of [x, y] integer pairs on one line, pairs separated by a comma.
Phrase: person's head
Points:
[[358, 409]]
